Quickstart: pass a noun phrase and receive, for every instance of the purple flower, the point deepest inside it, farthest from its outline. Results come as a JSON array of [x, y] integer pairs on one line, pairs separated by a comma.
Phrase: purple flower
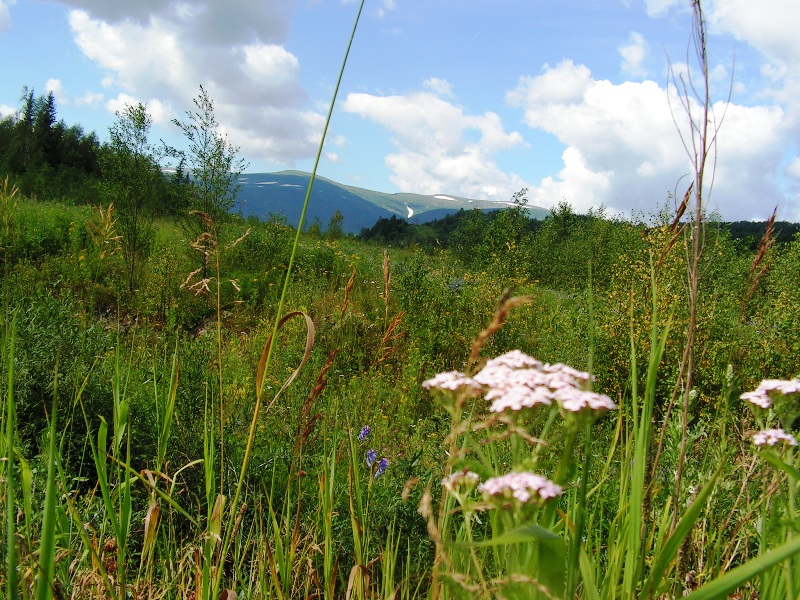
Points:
[[364, 433], [382, 464], [371, 456]]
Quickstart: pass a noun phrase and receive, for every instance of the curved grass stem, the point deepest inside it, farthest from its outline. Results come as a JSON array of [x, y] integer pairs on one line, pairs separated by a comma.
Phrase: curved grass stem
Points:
[[254, 421]]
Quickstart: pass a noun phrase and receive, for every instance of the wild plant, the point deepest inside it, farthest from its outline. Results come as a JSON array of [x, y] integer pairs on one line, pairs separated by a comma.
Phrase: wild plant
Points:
[[211, 591], [495, 529]]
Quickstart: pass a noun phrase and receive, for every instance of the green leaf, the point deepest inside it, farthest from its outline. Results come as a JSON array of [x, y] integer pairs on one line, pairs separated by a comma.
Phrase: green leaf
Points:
[[673, 544], [587, 574], [526, 533], [776, 462], [721, 586]]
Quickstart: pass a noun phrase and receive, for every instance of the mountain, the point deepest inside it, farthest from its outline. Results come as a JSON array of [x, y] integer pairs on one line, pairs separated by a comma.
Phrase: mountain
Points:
[[282, 193]]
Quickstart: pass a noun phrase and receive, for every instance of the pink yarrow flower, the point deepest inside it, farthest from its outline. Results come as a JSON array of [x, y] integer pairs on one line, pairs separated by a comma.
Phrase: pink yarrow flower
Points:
[[452, 381], [575, 400], [773, 437], [522, 486], [516, 381], [770, 389]]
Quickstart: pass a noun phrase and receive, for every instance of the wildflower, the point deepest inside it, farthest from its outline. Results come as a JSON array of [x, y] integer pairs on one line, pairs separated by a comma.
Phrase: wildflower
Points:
[[382, 464], [524, 487], [757, 397], [371, 456], [772, 437], [515, 359], [779, 386], [452, 381], [517, 381], [364, 433], [460, 481], [517, 397], [575, 400], [771, 389]]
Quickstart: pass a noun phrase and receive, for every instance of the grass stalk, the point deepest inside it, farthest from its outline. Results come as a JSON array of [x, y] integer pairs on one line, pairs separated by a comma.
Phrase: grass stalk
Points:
[[47, 543], [278, 315], [12, 581]]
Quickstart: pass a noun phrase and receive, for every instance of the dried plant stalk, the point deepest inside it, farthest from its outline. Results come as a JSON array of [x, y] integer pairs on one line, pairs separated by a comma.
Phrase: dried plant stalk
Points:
[[507, 302]]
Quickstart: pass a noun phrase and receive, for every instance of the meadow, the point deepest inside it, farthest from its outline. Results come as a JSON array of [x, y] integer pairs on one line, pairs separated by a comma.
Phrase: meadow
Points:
[[127, 414], [195, 405]]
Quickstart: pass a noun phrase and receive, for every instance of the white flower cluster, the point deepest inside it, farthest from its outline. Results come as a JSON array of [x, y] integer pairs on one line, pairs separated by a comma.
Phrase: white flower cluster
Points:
[[516, 381], [460, 481], [524, 487], [773, 437], [770, 389], [452, 381]]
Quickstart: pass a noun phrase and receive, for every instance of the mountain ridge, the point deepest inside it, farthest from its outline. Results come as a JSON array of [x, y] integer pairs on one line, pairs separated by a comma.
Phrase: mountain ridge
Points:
[[282, 193]]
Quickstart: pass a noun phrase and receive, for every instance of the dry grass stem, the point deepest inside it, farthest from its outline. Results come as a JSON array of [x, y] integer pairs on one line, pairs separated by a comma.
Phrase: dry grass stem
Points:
[[506, 304], [347, 290]]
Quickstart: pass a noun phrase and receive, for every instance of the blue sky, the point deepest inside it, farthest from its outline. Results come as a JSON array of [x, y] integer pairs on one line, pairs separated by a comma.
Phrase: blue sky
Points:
[[568, 98]]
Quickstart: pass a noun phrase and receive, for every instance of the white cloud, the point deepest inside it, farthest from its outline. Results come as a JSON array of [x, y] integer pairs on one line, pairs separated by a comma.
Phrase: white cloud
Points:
[[439, 147], [634, 54], [385, 7], [90, 99], [55, 86], [164, 49], [623, 149], [658, 8], [7, 111], [438, 86], [5, 14], [769, 25], [793, 169], [771, 28], [158, 111]]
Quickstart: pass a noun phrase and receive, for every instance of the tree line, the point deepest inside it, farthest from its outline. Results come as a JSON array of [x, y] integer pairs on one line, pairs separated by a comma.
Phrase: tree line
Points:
[[48, 160]]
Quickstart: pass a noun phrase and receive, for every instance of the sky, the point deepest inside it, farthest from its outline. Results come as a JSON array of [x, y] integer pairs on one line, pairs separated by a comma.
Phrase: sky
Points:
[[575, 100]]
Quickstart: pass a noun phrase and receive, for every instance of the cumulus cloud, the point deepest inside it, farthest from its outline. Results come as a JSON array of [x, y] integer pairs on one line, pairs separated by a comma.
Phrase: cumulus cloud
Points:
[[623, 148], [158, 111], [634, 54], [162, 51], [770, 25], [793, 168], [56, 86], [771, 28], [7, 111], [440, 148]]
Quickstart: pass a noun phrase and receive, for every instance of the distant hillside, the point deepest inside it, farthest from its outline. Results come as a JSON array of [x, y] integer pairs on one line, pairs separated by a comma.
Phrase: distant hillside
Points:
[[282, 193]]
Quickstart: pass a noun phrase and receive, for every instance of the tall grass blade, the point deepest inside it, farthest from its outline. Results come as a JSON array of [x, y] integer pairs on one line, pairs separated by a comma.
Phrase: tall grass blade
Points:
[[47, 543], [266, 359], [169, 409], [722, 586], [670, 549], [12, 581], [634, 560], [262, 363]]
